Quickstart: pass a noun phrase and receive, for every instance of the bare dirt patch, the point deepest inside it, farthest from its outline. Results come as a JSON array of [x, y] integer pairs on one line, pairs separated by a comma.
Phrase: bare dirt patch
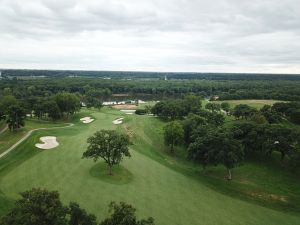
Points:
[[129, 132], [269, 197], [127, 106]]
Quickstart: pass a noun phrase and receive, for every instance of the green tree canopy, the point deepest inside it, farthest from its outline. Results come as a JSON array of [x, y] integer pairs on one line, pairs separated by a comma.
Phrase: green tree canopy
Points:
[[109, 145], [173, 134], [16, 117], [124, 214], [37, 207]]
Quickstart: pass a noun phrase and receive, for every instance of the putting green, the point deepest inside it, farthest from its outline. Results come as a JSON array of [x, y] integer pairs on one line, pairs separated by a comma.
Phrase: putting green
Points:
[[154, 189]]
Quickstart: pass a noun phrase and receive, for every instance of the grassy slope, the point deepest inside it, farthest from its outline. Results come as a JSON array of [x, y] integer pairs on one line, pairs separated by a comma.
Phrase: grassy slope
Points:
[[266, 182], [164, 192]]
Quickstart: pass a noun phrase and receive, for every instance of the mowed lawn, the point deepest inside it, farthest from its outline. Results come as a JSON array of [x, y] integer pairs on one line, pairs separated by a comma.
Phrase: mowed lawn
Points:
[[255, 103], [152, 187], [8, 138]]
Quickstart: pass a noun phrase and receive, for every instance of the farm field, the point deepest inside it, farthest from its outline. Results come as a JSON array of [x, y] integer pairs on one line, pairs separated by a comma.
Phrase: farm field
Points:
[[167, 187]]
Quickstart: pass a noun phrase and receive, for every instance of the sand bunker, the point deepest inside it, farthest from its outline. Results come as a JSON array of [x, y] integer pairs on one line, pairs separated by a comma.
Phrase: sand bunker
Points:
[[128, 111], [125, 106], [49, 143], [86, 119], [118, 121]]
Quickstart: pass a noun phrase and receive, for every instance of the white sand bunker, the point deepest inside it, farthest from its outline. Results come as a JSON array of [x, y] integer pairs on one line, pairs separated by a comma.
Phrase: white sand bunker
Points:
[[86, 119], [118, 121], [128, 111], [49, 142]]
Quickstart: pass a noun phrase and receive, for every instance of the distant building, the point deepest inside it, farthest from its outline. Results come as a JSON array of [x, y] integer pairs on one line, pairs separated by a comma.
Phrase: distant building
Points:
[[166, 77], [0, 74]]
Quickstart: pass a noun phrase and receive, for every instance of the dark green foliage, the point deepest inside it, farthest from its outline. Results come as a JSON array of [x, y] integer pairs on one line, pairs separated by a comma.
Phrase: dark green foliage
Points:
[[108, 145], [225, 106], [6, 102], [177, 109], [267, 139], [172, 109], [259, 118], [68, 103], [216, 147], [79, 216], [243, 111], [290, 110], [295, 116], [215, 119], [173, 134], [190, 124], [124, 214], [271, 115], [16, 117], [42, 207], [52, 109], [141, 111], [37, 207], [212, 106]]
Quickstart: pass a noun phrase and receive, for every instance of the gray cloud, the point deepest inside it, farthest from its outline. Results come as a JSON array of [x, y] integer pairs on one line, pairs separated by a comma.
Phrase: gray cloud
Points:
[[169, 35]]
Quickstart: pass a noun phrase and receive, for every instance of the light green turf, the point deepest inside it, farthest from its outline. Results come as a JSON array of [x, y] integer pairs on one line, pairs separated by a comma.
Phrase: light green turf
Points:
[[156, 190], [8, 138], [252, 102]]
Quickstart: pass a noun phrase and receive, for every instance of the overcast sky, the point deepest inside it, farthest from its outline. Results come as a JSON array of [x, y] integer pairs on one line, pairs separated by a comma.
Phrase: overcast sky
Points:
[[151, 35]]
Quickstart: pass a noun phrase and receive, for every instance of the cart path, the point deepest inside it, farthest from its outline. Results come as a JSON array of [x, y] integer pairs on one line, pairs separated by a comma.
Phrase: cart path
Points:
[[26, 136]]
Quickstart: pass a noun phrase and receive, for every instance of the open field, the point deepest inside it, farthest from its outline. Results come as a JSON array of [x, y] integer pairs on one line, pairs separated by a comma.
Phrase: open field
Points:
[[165, 187], [253, 102]]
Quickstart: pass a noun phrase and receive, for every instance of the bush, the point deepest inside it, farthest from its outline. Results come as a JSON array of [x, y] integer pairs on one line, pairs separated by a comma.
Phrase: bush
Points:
[[141, 111]]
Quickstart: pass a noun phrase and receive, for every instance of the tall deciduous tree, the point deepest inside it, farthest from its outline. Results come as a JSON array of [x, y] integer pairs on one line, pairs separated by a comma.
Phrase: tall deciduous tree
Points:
[[37, 207], [173, 134], [79, 216], [68, 103], [108, 145], [230, 152], [217, 147], [214, 107], [124, 214], [225, 106], [243, 111], [16, 117]]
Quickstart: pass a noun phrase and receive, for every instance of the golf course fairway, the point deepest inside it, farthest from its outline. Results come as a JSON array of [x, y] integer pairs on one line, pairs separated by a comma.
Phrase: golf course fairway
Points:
[[166, 194]]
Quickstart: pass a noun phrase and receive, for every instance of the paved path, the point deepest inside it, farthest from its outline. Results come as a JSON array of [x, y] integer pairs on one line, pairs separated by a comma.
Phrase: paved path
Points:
[[4, 129], [27, 135]]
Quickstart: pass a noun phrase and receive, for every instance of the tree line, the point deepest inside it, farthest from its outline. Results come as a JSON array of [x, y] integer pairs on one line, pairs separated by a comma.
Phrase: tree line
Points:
[[43, 207], [210, 142], [224, 89], [55, 107]]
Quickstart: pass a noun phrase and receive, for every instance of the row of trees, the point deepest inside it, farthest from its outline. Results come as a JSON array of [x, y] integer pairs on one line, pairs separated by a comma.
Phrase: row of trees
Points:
[[55, 107], [233, 89], [257, 132], [12, 111], [42, 207], [177, 108]]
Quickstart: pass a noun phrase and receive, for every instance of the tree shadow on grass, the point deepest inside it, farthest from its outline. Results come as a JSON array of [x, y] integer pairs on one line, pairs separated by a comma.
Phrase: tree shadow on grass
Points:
[[120, 174]]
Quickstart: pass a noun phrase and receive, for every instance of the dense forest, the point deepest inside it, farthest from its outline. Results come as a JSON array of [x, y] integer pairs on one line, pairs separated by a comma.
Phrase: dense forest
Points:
[[22, 87], [149, 75]]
